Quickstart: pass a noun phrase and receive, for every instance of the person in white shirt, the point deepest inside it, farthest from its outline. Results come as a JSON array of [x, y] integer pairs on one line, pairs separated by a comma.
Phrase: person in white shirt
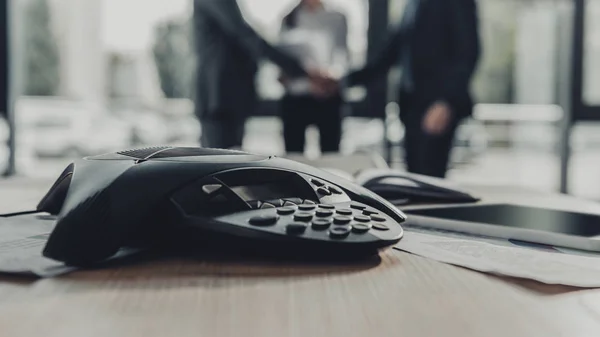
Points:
[[317, 34]]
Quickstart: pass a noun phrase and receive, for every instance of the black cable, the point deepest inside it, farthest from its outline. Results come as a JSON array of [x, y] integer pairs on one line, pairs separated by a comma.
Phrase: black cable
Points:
[[8, 215]]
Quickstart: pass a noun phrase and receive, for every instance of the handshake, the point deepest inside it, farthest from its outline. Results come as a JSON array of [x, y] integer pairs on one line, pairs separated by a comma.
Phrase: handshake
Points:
[[321, 83]]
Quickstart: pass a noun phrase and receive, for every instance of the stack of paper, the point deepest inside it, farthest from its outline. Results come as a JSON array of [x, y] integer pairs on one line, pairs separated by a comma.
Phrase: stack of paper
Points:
[[551, 265]]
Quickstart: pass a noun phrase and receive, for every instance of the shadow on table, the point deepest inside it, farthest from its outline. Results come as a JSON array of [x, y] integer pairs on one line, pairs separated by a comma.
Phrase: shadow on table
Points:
[[159, 272], [213, 270]]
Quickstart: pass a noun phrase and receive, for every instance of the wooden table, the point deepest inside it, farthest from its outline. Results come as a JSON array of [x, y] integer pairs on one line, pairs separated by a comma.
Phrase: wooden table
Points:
[[397, 295]]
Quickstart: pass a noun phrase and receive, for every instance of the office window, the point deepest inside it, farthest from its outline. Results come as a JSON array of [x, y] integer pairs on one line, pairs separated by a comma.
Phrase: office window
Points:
[[89, 78], [99, 75]]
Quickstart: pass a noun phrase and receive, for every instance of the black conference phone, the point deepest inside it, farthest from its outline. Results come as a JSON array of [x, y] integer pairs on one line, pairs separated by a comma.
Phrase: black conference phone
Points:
[[212, 197]]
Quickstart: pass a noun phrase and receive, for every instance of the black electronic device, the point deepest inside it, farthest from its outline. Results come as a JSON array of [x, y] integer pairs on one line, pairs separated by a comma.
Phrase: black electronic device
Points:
[[402, 188], [556, 227], [146, 197]]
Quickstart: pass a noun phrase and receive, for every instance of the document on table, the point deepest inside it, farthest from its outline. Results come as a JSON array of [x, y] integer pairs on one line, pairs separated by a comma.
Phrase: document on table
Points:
[[551, 265], [22, 239]]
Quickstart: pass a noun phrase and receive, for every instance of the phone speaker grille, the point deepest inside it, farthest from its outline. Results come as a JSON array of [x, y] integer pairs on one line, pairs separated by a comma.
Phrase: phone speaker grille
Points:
[[142, 153], [193, 152]]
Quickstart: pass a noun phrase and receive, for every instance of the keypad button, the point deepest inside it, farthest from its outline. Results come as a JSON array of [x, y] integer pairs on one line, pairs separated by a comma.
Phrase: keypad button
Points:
[[341, 220], [323, 191], [288, 203], [358, 206], [295, 201], [264, 220], [362, 218], [361, 228], [317, 183], [326, 206], [309, 202], [286, 210], [267, 205], [324, 213], [344, 211], [339, 232], [370, 212], [335, 190], [209, 189], [275, 202], [321, 224], [307, 207], [303, 216], [380, 226], [254, 204], [378, 218], [296, 228]]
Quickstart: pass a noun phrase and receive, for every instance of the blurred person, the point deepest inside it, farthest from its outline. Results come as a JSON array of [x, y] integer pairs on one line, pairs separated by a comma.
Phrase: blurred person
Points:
[[317, 33], [437, 45], [228, 50]]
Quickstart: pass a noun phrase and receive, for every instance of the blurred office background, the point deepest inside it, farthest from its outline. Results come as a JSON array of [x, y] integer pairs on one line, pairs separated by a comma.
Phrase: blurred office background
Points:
[[100, 75]]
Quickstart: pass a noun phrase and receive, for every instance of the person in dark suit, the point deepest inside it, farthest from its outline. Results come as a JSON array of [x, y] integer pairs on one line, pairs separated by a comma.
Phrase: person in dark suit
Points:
[[228, 50], [437, 45]]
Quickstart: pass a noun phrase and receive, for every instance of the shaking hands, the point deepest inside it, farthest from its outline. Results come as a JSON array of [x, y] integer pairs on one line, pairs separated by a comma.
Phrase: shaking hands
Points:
[[437, 118], [321, 84]]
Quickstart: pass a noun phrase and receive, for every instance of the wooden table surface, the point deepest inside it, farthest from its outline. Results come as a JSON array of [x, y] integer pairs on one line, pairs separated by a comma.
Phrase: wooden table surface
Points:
[[397, 295]]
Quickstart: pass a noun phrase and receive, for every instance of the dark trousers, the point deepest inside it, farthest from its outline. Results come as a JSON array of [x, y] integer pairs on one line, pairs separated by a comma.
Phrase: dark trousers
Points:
[[425, 154], [222, 133], [299, 112]]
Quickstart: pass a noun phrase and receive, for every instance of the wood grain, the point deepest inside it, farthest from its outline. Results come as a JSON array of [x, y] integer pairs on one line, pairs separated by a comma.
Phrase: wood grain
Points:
[[397, 295]]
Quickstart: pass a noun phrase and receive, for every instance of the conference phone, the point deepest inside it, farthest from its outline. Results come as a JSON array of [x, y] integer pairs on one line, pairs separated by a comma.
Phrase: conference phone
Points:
[[212, 197]]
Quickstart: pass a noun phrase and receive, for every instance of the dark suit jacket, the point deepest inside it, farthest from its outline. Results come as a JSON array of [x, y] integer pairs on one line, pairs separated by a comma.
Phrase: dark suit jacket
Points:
[[228, 50], [444, 46]]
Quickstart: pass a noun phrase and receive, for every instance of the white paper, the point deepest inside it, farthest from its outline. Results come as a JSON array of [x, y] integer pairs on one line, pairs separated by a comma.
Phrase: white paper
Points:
[[551, 265], [22, 239]]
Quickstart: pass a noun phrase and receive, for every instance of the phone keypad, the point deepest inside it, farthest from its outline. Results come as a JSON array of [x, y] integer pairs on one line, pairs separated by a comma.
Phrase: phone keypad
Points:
[[336, 222]]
